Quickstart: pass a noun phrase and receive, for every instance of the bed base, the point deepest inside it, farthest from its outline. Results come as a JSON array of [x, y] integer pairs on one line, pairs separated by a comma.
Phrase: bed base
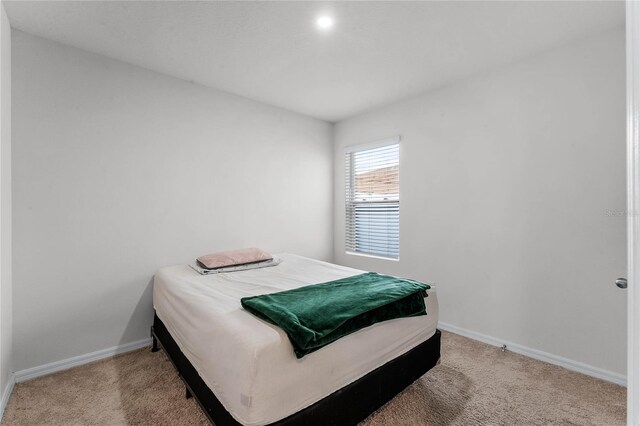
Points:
[[346, 406]]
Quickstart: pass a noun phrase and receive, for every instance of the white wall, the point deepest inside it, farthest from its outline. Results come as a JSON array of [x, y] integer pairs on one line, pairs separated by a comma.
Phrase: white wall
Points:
[[506, 182], [5, 204], [119, 171]]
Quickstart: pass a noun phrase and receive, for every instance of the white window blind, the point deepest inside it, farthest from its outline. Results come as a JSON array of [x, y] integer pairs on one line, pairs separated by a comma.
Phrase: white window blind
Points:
[[373, 200]]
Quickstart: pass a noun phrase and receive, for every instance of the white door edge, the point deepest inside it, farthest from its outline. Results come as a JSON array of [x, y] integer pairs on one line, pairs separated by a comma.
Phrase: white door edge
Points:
[[633, 204]]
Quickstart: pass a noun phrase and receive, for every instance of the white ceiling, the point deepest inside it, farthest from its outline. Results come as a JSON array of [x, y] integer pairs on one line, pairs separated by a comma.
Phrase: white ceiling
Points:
[[378, 52]]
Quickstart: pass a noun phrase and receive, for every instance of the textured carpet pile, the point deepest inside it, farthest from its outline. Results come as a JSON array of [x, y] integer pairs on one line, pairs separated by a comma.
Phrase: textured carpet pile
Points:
[[475, 384]]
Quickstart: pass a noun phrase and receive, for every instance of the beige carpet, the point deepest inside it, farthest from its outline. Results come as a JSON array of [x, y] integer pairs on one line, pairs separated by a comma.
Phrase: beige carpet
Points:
[[475, 384]]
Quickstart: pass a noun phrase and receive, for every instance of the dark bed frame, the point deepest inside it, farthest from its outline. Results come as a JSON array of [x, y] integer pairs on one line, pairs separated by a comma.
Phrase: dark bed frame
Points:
[[346, 406]]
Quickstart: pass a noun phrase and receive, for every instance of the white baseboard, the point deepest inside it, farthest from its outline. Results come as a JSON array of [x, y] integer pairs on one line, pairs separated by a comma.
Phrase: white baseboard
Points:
[[42, 370], [6, 394], [589, 370], [32, 373]]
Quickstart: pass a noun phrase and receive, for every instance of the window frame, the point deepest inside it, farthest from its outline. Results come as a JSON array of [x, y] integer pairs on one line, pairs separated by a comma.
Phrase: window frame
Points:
[[349, 182]]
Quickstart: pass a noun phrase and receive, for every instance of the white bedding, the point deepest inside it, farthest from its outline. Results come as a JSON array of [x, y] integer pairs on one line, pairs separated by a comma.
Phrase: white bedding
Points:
[[249, 364]]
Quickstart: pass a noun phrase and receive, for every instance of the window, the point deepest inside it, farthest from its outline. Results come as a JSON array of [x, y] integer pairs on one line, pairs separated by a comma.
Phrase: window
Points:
[[373, 199]]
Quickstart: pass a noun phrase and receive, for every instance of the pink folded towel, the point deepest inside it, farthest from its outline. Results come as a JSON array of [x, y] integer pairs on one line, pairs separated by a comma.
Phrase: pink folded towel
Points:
[[223, 259]]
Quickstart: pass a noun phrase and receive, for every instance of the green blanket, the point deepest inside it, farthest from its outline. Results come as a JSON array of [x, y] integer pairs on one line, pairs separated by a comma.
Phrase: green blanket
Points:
[[316, 315]]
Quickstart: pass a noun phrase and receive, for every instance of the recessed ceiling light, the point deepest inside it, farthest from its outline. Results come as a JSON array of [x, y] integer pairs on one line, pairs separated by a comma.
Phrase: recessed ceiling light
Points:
[[324, 22]]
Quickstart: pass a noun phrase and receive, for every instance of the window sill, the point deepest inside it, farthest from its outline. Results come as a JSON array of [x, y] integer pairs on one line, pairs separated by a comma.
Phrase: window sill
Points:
[[373, 256]]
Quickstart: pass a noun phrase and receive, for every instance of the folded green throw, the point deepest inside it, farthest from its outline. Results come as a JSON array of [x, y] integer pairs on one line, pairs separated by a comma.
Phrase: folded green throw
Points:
[[316, 315]]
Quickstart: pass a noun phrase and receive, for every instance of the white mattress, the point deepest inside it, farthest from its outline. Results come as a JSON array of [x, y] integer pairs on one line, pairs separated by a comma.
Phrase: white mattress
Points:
[[248, 363]]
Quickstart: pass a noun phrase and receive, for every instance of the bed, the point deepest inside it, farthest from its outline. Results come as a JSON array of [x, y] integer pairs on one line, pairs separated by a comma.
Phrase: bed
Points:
[[242, 370]]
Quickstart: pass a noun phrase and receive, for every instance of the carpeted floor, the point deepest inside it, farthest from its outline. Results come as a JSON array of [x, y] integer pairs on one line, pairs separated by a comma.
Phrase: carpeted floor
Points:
[[475, 384]]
